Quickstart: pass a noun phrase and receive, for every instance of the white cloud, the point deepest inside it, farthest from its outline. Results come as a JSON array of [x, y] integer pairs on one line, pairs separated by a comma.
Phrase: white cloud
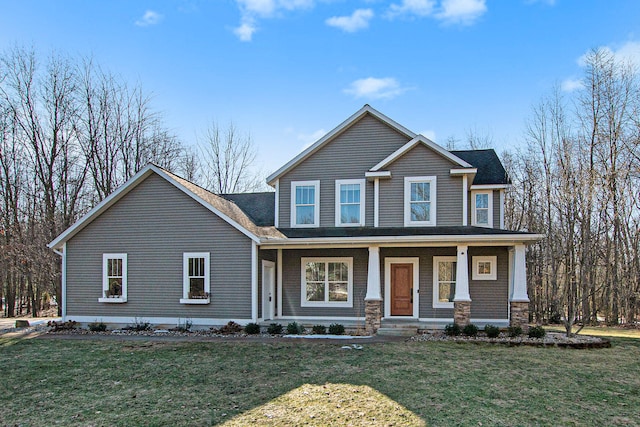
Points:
[[310, 138], [429, 134], [463, 12], [252, 10], [419, 8], [149, 18], [358, 20], [375, 88], [571, 84], [245, 31]]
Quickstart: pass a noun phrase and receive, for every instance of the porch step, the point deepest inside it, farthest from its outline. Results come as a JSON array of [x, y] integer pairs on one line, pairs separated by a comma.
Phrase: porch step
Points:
[[397, 331]]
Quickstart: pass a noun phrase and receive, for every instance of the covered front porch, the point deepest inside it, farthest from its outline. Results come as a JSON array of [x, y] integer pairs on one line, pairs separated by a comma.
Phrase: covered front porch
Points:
[[382, 285]]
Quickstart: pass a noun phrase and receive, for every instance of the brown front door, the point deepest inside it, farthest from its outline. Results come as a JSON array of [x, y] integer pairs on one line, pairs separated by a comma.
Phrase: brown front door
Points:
[[402, 289]]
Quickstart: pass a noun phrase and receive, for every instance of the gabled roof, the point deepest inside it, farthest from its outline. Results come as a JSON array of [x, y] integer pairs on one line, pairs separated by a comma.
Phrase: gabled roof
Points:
[[259, 207], [223, 208], [366, 109], [420, 139], [490, 169]]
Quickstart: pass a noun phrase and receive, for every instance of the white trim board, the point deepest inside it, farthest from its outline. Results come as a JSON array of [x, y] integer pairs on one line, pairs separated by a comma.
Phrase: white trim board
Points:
[[387, 285], [427, 143]]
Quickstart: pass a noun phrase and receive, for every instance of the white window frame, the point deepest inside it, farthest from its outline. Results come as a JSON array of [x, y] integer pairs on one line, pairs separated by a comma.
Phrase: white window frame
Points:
[[316, 210], [185, 278], [475, 262], [436, 290], [474, 216], [105, 279], [361, 183], [408, 180], [326, 303]]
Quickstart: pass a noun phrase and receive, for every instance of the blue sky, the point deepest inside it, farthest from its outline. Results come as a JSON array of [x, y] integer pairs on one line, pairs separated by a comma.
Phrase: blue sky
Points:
[[287, 71]]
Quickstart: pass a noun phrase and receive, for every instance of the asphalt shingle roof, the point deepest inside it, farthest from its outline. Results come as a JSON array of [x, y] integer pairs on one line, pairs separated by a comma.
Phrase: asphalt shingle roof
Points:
[[259, 207], [490, 169]]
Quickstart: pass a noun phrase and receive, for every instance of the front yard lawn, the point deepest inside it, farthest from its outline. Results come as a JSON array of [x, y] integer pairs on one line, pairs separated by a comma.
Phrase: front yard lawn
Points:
[[107, 382]]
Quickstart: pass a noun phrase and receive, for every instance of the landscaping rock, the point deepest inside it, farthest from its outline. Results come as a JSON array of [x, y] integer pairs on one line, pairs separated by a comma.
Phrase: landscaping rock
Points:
[[22, 324]]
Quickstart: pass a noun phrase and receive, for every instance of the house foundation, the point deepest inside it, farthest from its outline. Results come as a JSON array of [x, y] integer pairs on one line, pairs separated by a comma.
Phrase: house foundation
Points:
[[373, 316], [462, 312], [519, 315]]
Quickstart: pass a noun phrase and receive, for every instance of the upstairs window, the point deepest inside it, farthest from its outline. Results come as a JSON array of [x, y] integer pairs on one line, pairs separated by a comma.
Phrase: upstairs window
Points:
[[350, 202], [482, 208], [305, 204], [420, 201], [196, 284], [114, 278]]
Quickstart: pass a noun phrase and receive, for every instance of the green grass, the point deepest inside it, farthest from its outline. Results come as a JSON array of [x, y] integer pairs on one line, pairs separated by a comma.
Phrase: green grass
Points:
[[105, 383]]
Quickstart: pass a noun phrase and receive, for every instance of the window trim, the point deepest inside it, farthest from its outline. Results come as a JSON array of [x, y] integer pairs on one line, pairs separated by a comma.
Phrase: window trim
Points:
[[338, 205], [474, 216], [436, 260], [185, 278], [432, 180], [105, 279], [316, 212], [476, 260], [326, 303]]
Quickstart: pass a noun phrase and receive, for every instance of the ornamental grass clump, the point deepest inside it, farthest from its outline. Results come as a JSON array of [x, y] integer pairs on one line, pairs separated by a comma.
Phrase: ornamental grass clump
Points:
[[514, 331], [274, 329], [294, 328], [336, 329], [319, 329]]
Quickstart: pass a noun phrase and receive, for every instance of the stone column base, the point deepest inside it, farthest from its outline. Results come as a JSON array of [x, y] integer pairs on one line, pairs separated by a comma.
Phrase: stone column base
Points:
[[462, 312], [372, 316], [519, 315]]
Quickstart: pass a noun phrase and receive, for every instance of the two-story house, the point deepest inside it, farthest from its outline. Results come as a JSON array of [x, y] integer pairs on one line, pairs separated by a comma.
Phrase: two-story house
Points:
[[372, 224]]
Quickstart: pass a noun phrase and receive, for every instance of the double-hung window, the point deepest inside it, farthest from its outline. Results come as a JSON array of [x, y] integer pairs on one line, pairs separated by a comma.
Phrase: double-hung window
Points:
[[305, 203], [482, 208], [327, 282], [195, 278], [114, 278], [444, 281], [350, 202], [420, 201]]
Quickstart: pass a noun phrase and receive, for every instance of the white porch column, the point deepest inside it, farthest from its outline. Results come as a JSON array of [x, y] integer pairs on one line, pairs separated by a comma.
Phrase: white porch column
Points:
[[462, 275], [519, 289], [373, 276]]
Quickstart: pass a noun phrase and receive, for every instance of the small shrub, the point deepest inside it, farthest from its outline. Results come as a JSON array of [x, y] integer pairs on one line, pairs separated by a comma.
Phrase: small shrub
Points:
[[537, 332], [184, 327], [492, 331], [275, 329], [514, 331], [97, 327], [336, 329], [470, 330], [319, 329], [230, 329], [252, 328], [452, 329], [139, 326], [294, 328]]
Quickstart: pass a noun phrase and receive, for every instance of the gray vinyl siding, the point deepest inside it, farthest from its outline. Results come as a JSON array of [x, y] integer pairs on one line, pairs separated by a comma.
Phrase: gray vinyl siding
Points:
[[154, 225], [348, 156], [490, 298], [496, 209], [421, 161], [292, 283]]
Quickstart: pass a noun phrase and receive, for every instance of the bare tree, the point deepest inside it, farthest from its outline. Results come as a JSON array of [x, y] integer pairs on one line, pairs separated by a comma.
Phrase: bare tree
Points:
[[227, 158]]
